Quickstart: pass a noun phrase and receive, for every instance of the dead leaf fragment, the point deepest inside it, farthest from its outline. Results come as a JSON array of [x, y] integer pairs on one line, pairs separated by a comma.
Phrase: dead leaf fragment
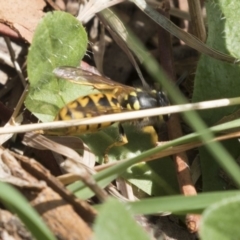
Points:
[[65, 215], [22, 16]]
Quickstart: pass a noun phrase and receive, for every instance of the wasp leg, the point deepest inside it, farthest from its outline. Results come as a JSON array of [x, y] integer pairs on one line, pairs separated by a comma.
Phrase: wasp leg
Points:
[[153, 133], [121, 141]]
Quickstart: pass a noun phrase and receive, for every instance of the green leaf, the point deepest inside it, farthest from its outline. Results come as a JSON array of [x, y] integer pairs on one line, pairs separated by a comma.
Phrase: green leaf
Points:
[[138, 141], [104, 177], [211, 177], [221, 220], [115, 222], [215, 79], [15, 202], [159, 177], [155, 178], [59, 40]]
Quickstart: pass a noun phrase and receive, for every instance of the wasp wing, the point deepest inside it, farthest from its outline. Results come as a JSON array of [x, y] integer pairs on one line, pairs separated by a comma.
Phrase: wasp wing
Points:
[[81, 76]]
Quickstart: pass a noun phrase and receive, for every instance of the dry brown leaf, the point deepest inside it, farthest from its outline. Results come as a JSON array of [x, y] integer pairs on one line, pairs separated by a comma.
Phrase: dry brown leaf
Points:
[[72, 164], [22, 16], [52, 201], [61, 145], [12, 227]]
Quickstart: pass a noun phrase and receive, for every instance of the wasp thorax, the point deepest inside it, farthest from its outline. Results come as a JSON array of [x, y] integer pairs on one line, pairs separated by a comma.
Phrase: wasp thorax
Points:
[[139, 99]]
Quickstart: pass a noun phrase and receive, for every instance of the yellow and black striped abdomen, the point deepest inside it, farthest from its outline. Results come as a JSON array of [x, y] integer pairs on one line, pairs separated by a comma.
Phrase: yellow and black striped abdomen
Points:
[[86, 107]]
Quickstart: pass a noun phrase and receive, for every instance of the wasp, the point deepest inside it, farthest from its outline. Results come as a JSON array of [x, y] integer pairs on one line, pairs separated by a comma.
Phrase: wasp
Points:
[[112, 98]]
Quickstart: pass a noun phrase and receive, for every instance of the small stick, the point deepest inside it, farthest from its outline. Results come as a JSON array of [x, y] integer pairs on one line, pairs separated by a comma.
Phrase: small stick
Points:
[[174, 128]]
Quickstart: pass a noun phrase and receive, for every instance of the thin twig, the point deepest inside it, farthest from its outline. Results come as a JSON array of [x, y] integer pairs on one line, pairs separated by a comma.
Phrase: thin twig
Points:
[[170, 151], [174, 127], [122, 117]]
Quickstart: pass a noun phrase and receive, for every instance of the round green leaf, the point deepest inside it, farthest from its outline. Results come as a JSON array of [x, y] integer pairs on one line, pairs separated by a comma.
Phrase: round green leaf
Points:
[[115, 222], [221, 220], [59, 40], [216, 79]]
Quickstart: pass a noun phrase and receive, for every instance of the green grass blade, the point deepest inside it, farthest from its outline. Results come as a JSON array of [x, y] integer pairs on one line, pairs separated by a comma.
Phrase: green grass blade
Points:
[[180, 204]]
